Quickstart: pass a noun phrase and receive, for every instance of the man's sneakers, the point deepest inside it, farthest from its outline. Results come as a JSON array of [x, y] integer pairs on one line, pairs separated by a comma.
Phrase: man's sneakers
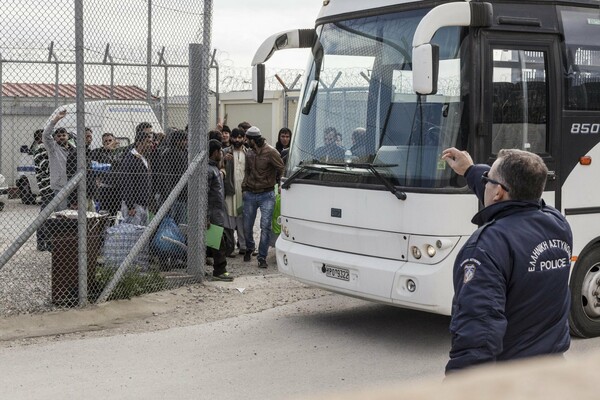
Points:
[[225, 277], [262, 263], [248, 255]]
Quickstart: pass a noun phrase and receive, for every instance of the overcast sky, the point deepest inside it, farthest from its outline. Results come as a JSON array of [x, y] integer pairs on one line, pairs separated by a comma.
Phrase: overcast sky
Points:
[[239, 27]]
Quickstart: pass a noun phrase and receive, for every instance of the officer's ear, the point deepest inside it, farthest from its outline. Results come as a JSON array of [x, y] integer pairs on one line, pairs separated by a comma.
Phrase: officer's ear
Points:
[[500, 194]]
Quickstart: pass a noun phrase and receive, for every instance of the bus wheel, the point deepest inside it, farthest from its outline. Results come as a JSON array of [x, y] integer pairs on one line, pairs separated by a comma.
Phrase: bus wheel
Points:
[[584, 319]]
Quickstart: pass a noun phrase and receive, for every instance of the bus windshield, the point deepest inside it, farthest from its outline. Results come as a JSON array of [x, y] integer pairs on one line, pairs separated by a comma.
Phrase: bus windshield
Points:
[[358, 105]]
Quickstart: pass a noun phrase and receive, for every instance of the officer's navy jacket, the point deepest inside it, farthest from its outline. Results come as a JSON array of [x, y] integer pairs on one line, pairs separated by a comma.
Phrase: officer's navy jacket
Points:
[[511, 294]]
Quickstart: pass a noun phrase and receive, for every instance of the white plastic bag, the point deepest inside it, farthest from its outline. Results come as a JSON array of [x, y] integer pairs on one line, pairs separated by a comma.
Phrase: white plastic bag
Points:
[[119, 241]]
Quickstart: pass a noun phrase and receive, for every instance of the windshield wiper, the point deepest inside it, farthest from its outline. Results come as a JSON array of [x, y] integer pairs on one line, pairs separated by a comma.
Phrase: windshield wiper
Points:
[[400, 195], [301, 169]]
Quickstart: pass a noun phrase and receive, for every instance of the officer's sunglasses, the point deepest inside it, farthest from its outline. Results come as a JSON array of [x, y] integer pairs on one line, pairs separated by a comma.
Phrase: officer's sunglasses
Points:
[[485, 180]]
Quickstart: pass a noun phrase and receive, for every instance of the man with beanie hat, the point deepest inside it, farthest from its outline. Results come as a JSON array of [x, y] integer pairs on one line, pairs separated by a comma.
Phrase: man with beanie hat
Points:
[[263, 166]]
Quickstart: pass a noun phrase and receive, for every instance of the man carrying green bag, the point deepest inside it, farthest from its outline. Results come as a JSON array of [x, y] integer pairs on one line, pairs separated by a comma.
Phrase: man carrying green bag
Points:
[[217, 211]]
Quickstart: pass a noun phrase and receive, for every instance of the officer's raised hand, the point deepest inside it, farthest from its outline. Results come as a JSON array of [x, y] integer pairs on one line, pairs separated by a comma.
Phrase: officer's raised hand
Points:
[[458, 160]]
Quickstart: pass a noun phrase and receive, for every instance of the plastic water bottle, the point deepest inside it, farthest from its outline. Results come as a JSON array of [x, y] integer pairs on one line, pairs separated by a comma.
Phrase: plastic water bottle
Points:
[[348, 158]]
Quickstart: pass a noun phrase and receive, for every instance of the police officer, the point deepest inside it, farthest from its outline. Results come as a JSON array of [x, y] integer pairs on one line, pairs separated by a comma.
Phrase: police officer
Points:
[[511, 294]]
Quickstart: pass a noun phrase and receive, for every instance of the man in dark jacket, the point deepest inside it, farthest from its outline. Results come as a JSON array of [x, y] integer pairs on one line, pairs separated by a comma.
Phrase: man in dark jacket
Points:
[[135, 179], [107, 190], [42, 176], [511, 278], [330, 151], [172, 164], [72, 170], [216, 210]]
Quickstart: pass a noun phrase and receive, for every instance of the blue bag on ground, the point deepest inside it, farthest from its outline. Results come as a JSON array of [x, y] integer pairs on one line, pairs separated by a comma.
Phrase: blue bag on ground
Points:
[[166, 239]]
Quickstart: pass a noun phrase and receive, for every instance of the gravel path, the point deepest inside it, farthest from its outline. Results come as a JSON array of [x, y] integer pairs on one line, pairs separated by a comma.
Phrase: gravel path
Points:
[[25, 281]]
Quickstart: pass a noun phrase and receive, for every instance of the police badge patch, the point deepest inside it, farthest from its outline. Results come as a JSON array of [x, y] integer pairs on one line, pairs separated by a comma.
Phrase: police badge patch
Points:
[[468, 272]]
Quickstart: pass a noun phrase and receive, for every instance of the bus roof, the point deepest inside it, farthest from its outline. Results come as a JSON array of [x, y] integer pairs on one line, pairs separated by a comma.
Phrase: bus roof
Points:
[[337, 8]]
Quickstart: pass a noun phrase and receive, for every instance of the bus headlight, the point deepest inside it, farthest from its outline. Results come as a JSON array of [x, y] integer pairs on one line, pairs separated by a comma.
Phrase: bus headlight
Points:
[[416, 252], [430, 250]]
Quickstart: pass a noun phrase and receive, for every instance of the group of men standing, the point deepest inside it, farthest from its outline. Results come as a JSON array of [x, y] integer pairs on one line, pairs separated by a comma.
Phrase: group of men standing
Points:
[[249, 169], [128, 190], [144, 173]]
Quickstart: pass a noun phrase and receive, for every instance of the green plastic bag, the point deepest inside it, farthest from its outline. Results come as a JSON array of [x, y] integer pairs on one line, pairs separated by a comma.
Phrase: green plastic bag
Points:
[[275, 227]]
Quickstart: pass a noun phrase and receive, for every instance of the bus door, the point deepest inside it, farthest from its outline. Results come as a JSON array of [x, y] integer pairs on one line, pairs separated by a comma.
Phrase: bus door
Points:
[[520, 104]]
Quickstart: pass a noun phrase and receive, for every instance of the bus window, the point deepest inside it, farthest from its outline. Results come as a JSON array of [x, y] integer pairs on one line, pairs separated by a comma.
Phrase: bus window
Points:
[[519, 100], [582, 28]]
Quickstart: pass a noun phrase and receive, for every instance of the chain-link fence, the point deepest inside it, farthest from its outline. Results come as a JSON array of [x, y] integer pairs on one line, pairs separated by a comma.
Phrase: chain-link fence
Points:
[[104, 114]]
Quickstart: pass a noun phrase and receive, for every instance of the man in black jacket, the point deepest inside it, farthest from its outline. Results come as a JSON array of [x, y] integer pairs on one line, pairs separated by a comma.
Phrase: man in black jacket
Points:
[[107, 190], [511, 278], [216, 210], [172, 164], [135, 178], [72, 170]]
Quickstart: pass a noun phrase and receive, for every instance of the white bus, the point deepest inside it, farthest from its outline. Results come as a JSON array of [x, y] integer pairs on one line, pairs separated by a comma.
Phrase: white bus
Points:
[[375, 213]]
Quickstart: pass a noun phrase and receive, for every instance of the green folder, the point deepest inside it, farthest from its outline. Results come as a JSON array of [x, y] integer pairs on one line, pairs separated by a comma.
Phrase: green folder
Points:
[[213, 236]]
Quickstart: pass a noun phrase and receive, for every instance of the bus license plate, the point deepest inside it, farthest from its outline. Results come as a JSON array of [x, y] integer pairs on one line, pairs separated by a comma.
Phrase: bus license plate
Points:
[[337, 273]]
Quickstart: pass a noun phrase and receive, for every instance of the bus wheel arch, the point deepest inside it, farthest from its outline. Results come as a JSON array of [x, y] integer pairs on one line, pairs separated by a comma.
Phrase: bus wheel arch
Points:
[[584, 318]]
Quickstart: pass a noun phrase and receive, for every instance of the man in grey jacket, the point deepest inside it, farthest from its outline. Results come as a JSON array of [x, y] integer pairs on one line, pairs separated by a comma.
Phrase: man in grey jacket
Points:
[[58, 147]]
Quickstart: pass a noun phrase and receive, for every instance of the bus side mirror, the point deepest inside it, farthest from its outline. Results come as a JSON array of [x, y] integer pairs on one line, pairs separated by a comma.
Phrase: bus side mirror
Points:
[[310, 97], [258, 82], [425, 66], [426, 56], [292, 39]]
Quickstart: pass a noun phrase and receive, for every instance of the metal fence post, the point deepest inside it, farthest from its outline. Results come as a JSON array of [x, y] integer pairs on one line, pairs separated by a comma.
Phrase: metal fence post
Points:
[[199, 72], [82, 243], [198, 129], [149, 55], [1, 108]]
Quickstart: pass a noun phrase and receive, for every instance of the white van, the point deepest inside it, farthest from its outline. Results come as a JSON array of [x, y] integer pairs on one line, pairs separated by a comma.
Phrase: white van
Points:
[[119, 117], [3, 193]]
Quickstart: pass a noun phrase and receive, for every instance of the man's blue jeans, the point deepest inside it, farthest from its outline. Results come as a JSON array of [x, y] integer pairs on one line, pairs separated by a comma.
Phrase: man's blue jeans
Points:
[[252, 202]]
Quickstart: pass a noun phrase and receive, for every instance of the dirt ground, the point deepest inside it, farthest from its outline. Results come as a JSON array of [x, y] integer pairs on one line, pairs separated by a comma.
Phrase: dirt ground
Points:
[[253, 290]]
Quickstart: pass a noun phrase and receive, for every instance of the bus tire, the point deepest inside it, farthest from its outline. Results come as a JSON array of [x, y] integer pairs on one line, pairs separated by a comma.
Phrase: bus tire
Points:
[[584, 318], [25, 191]]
